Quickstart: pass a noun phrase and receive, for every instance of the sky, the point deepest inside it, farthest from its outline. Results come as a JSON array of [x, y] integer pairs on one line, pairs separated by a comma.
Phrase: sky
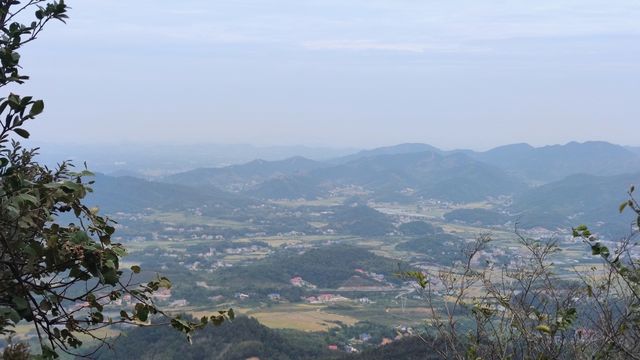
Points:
[[339, 73]]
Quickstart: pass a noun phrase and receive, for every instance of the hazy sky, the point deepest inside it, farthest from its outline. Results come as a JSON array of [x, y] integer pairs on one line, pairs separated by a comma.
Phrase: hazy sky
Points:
[[340, 72]]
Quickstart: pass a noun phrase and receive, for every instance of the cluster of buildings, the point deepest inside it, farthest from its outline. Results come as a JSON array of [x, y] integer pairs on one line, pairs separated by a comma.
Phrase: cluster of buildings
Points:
[[370, 274], [297, 281], [351, 346], [326, 299]]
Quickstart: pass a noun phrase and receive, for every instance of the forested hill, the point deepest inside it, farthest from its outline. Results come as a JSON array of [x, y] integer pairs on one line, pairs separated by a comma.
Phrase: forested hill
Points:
[[326, 267], [246, 338], [578, 199], [241, 339]]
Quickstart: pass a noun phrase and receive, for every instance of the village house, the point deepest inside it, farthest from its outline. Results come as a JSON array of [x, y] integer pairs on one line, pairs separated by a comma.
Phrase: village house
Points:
[[312, 300], [241, 296], [296, 281], [161, 295], [179, 303]]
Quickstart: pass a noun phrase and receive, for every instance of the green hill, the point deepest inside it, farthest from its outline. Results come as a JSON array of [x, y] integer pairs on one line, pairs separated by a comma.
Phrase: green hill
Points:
[[326, 267], [577, 199], [291, 187], [241, 338], [359, 220]]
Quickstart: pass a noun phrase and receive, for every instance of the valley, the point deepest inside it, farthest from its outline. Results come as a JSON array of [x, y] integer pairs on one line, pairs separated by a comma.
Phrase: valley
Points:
[[327, 251], [318, 247]]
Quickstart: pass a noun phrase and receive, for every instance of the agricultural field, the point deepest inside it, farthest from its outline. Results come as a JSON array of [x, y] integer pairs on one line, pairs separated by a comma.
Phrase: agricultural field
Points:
[[215, 270]]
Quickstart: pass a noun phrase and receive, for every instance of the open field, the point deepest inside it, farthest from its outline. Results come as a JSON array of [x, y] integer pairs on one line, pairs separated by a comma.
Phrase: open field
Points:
[[384, 308], [298, 316], [180, 218]]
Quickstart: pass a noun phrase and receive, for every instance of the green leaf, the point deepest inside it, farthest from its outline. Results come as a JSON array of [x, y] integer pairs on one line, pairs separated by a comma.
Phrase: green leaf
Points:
[[164, 283], [37, 108], [136, 269], [20, 303], [70, 186], [180, 325], [143, 313], [24, 198], [10, 314], [544, 328], [111, 276], [22, 132], [598, 249], [97, 317], [623, 206], [45, 305], [48, 353]]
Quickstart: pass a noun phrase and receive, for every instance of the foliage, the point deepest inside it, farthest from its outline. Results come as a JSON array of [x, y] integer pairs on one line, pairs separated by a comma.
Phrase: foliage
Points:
[[525, 310], [360, 220], [429, 243], [246, 337], [414, 228], [241, 339], [61, 278]]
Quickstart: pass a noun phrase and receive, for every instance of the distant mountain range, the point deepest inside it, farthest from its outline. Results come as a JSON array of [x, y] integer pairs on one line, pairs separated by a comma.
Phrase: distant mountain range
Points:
[[551, 163], [430, 174], [551, 185], [419, 170], [408, 148], [245, 176], [155, 160]]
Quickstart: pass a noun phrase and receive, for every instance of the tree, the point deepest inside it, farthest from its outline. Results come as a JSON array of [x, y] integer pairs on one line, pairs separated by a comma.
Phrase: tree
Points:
[[63, 276], [525, 310]]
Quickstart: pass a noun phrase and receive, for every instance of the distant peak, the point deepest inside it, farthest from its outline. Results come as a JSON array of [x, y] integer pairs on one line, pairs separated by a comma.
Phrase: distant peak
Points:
[[518, 146]]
